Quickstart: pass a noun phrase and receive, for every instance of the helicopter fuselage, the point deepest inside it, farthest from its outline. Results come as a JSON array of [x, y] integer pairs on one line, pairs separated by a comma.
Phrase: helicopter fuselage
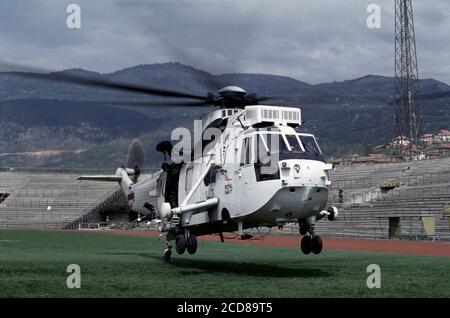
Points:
[[250, 167], [294, 186], [259, 176]]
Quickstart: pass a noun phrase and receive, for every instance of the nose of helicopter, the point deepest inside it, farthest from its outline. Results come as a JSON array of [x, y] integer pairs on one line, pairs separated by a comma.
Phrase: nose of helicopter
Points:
[[298, 201], [310, 173], [304, 189]]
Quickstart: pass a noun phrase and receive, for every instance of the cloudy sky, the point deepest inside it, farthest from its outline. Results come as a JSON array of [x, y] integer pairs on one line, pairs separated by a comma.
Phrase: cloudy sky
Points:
[[313, 41]]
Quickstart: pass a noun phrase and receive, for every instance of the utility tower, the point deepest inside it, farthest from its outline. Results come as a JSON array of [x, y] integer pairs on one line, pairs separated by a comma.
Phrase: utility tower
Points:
[[408, 114]]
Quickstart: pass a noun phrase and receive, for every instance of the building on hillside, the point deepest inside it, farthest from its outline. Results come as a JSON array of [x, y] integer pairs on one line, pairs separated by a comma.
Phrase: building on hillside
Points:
[[444, 135], [427, 138], [400, 141]]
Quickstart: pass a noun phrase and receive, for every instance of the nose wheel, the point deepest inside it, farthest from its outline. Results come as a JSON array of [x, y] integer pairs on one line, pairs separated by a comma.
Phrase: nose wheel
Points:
[[316, 244], [310, 241], [306, 244], [311, 244]]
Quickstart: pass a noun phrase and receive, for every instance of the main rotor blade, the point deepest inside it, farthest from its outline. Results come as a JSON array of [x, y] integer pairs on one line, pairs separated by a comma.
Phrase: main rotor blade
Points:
[[148, 104], [132, 103], [28, 72]]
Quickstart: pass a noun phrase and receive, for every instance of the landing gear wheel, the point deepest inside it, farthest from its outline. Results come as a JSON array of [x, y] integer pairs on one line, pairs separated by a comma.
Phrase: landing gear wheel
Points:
[[333, 213], [167, 255], [191, 244], [306, 244], [316, 244], [303, 228], [180, 243]]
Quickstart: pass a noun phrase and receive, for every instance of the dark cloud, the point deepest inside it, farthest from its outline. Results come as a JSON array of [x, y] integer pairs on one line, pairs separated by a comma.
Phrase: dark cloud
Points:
[[313, 41]]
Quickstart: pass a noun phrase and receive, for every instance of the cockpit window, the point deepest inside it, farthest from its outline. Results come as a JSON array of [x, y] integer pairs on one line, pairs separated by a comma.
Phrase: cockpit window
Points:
[[310, 145], [294, 144], [270, 145]]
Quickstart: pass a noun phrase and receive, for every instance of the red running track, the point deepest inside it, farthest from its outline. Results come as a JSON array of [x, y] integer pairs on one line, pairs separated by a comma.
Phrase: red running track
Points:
[[381, 246]]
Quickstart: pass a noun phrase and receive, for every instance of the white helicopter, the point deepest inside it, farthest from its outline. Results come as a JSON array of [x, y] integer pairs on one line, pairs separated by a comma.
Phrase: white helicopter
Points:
[[259, 170], [251, 167]]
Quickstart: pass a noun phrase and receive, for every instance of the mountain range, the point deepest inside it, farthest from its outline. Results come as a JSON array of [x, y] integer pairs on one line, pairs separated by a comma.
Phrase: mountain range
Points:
[[51, 124]]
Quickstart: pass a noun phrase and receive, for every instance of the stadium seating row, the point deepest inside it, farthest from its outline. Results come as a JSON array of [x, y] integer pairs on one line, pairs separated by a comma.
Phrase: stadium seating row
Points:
[[421, 190]]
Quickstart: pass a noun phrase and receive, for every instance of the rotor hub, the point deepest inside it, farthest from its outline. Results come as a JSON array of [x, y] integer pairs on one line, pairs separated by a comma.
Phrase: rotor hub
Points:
[[235, 90]]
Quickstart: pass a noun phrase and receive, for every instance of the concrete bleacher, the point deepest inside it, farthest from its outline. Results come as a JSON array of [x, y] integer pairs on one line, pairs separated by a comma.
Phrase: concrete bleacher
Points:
[[423, 191], [40, 200], [50, 200]]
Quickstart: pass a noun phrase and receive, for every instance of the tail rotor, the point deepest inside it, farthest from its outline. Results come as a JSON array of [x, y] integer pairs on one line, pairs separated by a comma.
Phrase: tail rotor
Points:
[[135, 158]]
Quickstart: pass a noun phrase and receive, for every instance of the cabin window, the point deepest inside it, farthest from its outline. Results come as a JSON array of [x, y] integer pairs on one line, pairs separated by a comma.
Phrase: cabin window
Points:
[[266, 165], [263, 148], [245, 152], [210, 177], [242, 158], [188, 181], [161, 184], [248, 152]]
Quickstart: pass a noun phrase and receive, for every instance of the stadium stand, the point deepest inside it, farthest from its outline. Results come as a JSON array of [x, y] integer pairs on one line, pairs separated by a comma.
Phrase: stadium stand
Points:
[[396, 200], [407, 200], [51, 200]]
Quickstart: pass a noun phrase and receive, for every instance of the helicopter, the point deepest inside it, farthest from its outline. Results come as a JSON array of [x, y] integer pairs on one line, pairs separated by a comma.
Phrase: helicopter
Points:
[[251, 167]]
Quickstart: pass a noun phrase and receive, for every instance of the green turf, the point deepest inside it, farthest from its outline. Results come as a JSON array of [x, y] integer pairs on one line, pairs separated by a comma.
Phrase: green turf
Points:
[[33, 264]]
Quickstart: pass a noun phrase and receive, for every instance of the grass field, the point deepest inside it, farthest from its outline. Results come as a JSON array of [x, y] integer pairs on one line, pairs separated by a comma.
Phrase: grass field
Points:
[[33, 264]]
